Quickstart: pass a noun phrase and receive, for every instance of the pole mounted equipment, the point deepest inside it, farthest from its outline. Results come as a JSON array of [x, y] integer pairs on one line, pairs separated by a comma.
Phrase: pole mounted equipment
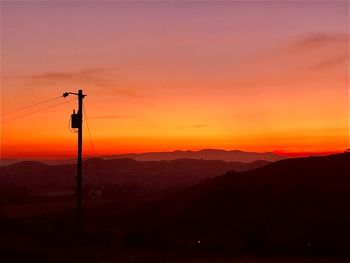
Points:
[[77, 122]]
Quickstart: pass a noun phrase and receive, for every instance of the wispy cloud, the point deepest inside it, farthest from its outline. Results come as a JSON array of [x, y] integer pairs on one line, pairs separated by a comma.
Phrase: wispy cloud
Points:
[[95, 75], [317, 40], [195, 126], [103, 78], [304, 52], [198, 126], [130, 93], [331, 50], [331, 62], [111, 117]]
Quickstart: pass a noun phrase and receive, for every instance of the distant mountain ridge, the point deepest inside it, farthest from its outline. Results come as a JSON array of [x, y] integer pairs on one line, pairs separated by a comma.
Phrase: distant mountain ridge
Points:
[[124, 172], [205, 154]]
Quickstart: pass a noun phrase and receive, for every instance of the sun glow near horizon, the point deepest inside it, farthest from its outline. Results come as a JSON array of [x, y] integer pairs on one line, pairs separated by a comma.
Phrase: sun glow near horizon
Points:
[[168, 76]]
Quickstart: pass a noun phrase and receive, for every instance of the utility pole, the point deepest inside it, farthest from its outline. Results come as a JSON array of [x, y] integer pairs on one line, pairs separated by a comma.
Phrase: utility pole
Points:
[[80, 158], [77, 122]]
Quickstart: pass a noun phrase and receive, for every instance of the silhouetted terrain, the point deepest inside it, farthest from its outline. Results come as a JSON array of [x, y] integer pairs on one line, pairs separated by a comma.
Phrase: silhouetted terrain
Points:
[[296, 209], [293, 206], [205, 154], [10, 161], [116, 178]]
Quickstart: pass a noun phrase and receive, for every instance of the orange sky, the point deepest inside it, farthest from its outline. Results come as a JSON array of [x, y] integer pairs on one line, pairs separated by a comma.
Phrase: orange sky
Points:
[[255, 76]]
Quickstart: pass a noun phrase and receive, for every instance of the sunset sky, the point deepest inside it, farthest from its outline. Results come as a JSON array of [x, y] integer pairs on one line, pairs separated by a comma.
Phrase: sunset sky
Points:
[[253, 75]]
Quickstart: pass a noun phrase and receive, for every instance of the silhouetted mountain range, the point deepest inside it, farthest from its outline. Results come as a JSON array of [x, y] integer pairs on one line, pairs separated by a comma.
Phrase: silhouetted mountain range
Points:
[[205, 154], [35, 177], [291, 206]]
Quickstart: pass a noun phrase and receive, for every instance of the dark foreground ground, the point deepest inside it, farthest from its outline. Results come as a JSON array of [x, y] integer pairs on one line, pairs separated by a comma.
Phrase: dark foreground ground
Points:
[[33, 241], [106, 255], [292, 210]]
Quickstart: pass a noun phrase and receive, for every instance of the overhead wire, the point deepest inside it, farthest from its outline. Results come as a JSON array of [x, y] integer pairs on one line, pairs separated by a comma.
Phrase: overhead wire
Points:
[[70, 104], [95, 178], [65, 180], [89, 132], [30, 106], [36, 111]]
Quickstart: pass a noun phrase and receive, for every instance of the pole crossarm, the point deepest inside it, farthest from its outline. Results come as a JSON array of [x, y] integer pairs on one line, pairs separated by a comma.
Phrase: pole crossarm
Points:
[[72, 93]]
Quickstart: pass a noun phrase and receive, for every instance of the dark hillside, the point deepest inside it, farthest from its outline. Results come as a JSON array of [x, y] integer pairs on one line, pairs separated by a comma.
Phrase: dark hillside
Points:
[[296, 205]]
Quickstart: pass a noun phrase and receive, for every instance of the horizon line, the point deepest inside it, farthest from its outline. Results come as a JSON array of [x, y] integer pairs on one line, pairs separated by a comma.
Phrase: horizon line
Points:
[[91, 155]]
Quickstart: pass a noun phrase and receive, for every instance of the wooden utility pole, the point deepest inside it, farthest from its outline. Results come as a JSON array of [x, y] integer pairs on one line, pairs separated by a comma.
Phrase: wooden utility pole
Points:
[[77, 122], [80, 158]]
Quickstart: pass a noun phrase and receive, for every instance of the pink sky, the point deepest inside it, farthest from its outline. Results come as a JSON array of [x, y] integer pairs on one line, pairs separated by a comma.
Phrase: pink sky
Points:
[[255, 75]]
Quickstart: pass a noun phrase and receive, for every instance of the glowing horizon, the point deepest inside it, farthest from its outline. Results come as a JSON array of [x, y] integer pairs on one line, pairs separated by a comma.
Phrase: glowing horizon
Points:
[[255, 76]]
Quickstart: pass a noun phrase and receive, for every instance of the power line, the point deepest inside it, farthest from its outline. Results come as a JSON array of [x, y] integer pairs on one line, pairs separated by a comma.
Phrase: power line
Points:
[[36, 111], [30, 106], [70, 104], [89, 132], [95, 178]]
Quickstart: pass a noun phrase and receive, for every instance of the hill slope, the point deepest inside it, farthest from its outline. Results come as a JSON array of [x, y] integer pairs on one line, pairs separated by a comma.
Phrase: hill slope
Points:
[[35, 176], [295, 205]]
